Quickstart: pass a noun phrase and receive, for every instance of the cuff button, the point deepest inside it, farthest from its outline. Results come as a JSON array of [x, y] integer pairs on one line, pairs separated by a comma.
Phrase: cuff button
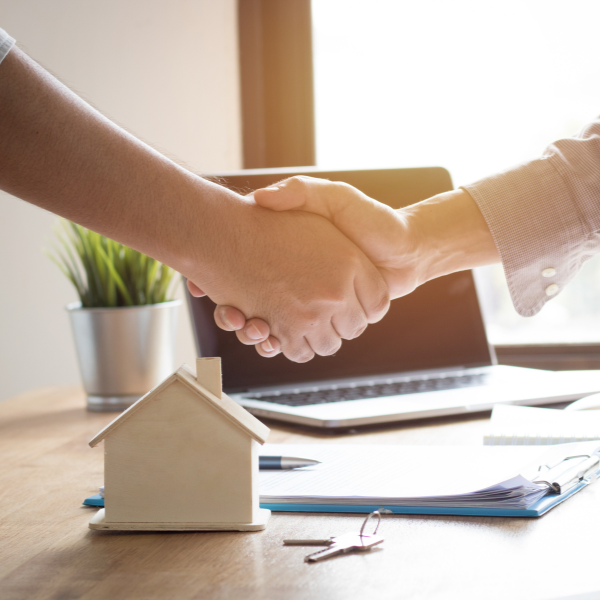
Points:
[[552, 289], [549, 272]]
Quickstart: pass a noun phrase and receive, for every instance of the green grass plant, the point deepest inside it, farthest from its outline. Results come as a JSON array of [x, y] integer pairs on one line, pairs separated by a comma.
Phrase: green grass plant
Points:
[[106, 273]]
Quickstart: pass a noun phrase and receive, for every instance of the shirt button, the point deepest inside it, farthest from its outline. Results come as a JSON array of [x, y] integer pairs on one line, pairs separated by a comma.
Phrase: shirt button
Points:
[[549, 272], [552, 289]]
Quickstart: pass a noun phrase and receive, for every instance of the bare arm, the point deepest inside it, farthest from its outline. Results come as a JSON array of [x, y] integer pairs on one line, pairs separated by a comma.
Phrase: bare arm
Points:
[[295, 270], [59, 153]]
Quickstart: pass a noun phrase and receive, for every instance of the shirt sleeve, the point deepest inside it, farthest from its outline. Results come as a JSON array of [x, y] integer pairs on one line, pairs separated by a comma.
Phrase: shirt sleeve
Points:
[[6, 43], [544, 216]]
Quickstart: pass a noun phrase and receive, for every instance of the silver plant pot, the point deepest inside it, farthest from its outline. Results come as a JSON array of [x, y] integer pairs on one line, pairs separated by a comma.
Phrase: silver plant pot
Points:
[[123, 352]]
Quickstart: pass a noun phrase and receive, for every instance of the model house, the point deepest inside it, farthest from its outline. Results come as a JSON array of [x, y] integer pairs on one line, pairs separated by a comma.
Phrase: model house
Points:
[[183, 457]]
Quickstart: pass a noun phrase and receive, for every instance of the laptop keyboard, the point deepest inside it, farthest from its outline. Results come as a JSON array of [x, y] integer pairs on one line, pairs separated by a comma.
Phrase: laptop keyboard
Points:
[[360, 392]]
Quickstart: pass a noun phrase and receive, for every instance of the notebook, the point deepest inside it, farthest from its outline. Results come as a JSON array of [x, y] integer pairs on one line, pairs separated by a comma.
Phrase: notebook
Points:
[[449, 480], [525, 425]]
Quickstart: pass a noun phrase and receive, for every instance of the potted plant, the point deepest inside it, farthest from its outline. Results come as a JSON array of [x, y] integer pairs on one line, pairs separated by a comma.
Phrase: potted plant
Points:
[[125, 322]]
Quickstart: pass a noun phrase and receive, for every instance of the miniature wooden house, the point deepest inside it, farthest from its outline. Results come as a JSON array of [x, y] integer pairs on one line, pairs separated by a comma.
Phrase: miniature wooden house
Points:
[[183, 457]]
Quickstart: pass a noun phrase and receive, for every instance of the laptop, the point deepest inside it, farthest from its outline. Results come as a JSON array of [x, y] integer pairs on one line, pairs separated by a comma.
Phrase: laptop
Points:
[[428, 357]]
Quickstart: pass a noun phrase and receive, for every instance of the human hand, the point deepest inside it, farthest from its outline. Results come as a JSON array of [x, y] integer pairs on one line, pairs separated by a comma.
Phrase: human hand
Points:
[[410, 246], [251, 332], [301, 275], [373, 226]]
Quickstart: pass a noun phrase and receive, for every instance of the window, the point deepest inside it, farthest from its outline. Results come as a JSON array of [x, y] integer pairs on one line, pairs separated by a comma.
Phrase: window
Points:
[[472, 86]]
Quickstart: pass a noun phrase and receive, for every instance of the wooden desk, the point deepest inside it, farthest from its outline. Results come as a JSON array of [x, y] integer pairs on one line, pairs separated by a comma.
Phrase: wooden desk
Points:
[[47, 550]]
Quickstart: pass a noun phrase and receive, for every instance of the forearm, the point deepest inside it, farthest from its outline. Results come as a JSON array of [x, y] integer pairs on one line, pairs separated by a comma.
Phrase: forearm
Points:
[[60, 154], [544, 217], [451, 235]]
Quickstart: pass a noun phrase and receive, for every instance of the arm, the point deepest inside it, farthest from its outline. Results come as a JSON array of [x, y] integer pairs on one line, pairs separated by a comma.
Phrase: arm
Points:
[[409, 246], [544, 216], [295, 270], [541, 219]]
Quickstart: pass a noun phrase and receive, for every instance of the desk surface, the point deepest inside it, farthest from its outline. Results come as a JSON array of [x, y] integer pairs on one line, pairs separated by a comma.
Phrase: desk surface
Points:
[[47, 550]]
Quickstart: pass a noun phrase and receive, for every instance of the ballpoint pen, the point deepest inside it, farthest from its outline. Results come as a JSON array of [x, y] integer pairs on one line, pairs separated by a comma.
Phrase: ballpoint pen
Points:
[[284, 462], [273, 463]]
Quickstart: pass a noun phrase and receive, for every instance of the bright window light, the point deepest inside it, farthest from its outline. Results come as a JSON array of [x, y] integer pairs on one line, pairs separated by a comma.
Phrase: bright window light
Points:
[[472, 86]]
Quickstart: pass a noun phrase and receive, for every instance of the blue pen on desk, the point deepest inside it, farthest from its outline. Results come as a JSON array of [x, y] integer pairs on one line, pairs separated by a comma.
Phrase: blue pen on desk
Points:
[[279, 463]]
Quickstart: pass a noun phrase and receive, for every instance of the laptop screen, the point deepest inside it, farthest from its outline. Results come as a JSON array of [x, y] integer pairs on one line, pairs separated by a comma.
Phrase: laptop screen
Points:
[[438, 325]]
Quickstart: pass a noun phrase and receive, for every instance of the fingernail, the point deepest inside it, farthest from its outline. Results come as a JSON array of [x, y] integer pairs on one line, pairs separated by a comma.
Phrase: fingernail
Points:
[[226, 321], [266, 346], [253, 332], [271, 188]]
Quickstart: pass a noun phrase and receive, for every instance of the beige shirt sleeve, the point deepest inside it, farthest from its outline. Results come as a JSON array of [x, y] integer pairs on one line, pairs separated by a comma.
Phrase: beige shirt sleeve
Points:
[[6, 43], [544, 216]]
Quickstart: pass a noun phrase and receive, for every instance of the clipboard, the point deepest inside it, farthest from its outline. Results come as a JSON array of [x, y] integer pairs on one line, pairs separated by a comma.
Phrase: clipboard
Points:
[[564, 479]]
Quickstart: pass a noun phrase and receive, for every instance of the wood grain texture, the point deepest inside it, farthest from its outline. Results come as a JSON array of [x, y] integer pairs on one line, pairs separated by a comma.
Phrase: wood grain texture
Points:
[[48, 552], [99, 522], [208, 373], [179, 460], [223, 403]]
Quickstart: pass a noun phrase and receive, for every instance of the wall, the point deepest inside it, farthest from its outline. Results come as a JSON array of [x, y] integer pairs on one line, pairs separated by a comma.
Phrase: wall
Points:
[[168, 72]]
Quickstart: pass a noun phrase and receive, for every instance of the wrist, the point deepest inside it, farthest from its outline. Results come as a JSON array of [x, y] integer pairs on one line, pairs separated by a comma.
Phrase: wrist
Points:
[[450, 235], [200, 228]]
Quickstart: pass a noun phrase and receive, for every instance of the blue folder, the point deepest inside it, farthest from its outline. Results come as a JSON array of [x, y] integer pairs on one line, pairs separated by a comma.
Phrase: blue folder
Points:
[[538, 509]]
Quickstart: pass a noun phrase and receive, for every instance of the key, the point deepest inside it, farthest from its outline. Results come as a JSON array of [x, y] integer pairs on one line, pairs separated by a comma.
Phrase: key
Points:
[[327, 542], [344, 544]]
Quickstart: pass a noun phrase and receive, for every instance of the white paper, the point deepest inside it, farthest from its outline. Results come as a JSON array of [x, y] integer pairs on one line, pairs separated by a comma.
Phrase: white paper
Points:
[[525, 425], [409, 475]]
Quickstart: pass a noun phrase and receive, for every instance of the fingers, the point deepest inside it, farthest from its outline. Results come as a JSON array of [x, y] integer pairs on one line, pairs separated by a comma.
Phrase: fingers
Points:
[[252, 332], [325, 341], [195, 291], [269, 348], [257, 333], [298, 351], [379, 231], [229, 318], [372, 293]]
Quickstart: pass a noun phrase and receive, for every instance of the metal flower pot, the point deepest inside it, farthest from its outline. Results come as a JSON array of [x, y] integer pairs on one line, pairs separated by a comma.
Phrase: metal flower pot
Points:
[[123, 352]]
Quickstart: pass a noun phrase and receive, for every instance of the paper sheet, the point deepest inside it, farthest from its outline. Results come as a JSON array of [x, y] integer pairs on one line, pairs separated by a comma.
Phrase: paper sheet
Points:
[[434, 474], [526, 425]]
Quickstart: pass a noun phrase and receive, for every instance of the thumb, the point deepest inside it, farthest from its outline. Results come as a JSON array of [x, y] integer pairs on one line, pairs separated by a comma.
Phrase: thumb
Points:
[[296, 193], [278, 198], [195, 290]]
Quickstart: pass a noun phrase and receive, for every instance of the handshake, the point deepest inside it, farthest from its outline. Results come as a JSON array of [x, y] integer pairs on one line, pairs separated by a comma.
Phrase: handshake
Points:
[[310, 262]]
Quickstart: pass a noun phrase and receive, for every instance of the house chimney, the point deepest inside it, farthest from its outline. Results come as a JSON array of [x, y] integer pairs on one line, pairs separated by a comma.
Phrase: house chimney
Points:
[[208, 374]]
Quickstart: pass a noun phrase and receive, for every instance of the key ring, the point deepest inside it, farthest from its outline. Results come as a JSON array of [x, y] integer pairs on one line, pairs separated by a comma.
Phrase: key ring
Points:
[[376, 512]]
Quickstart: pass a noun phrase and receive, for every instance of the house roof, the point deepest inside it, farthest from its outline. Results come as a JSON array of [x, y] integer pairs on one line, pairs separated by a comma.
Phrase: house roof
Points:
[[230, 409]]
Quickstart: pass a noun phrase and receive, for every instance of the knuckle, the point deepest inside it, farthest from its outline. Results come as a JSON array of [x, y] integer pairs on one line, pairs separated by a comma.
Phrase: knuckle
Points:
[[329, 347], [352, 325], [358, 332], [297, 181], [381, 305], [340, 185], [300, 356]]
